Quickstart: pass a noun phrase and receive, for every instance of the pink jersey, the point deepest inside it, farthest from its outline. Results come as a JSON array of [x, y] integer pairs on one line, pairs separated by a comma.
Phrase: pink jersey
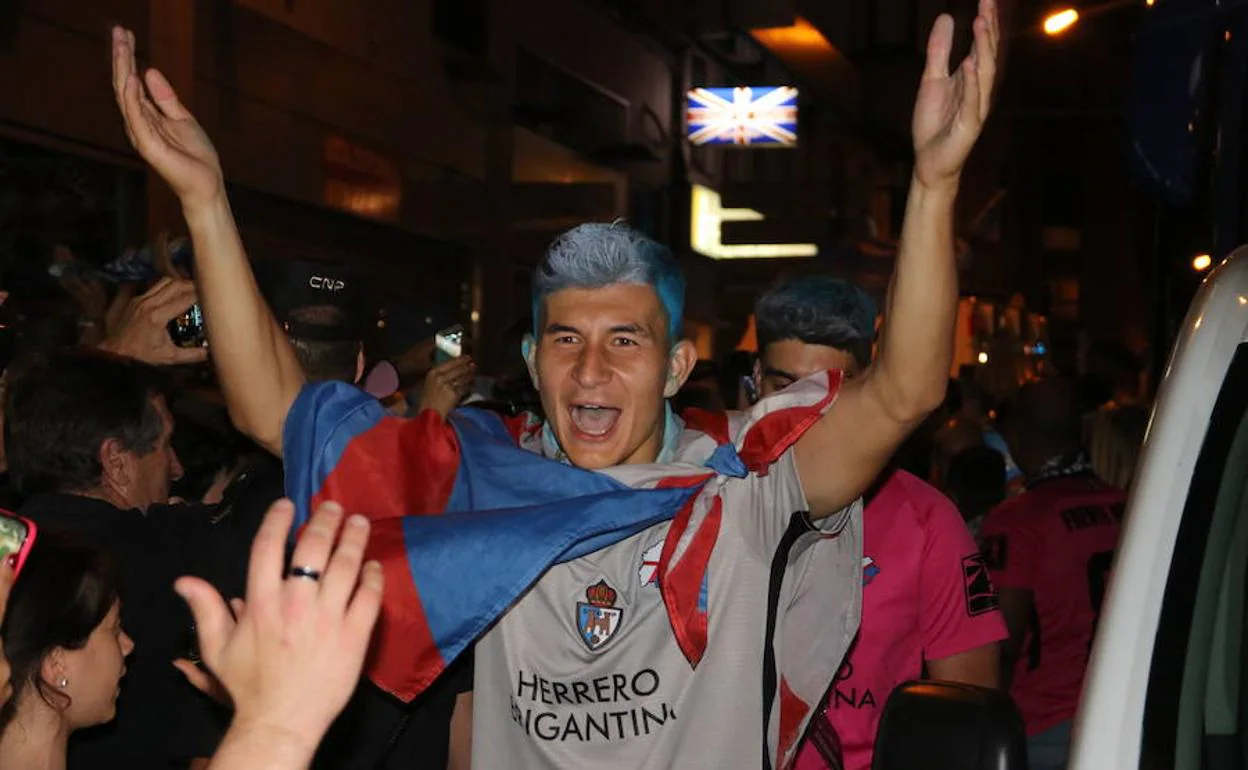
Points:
[[1057, 540], [926, 596]]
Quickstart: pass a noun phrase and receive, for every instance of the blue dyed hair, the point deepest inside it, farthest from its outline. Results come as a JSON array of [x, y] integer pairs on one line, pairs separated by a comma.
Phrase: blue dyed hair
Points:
[[818, 310], [595, 255]]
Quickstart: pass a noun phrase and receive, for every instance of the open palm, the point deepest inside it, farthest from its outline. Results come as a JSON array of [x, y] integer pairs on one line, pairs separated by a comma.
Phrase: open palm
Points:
[[951, 108], [162, 130]]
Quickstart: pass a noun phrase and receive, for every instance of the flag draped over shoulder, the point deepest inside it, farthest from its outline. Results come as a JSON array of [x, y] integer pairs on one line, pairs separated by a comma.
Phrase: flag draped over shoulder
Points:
[[467, 515]]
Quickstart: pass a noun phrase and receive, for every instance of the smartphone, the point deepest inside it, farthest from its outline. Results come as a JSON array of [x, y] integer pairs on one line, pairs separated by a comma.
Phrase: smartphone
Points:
[[187, 330], [448, 344], [17, 537]]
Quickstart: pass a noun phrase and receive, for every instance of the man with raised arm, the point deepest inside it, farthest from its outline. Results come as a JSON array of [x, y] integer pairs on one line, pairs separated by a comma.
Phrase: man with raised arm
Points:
[[620, 571]]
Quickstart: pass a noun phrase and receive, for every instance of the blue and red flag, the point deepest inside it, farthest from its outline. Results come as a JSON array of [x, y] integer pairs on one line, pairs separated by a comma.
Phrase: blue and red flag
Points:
[[506, 515], [467, 516]]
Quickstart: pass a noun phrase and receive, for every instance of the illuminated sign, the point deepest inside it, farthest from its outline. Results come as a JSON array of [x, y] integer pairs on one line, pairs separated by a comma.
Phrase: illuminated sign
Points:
[[707, 214], [744, 117], [360, 181]]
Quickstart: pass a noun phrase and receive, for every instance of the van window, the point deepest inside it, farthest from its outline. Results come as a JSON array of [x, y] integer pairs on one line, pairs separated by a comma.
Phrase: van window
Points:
[[1194, 717]]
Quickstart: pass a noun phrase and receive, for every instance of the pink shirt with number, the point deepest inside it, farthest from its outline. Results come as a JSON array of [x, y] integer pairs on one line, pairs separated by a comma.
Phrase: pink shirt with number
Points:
[[926, 596], [1057, 540]]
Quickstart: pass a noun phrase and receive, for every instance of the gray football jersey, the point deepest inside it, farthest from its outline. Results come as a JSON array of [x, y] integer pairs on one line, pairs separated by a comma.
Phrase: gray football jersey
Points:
[[584, 671]]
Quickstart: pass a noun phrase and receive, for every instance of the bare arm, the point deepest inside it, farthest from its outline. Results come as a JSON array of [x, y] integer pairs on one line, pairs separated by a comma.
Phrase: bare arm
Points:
[[1017, 606], [255, 363], [246, 746], [459, 750], [875, 413], [257, 367], [980, 666]]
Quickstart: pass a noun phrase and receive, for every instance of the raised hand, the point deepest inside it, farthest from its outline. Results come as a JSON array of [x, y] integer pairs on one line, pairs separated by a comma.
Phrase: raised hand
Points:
[[951, 108], [162, 130], [293, 656], [447, 384]]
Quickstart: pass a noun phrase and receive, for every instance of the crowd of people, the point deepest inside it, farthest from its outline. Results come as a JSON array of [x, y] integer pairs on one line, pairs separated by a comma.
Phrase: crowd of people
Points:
[[614, 577]]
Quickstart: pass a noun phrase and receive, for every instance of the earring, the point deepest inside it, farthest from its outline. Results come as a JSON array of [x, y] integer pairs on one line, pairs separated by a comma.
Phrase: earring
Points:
[[63, 683]]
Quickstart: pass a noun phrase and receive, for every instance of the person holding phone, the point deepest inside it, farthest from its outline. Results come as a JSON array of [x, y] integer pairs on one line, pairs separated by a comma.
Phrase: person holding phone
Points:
[[141, 327], [446, 385], [63, 639]]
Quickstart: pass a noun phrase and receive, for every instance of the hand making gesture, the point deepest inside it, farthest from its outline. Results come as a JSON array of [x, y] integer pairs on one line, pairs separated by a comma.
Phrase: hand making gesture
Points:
[[162, 130], [290, 656], [951, 107]]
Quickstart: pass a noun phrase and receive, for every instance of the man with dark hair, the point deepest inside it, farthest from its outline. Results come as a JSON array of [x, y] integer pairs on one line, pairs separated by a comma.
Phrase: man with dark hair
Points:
[[976, 483], [817, 310], [88, 437], [326, 342], [800, 318], [91, 424], [926, 602], [1050, 551]]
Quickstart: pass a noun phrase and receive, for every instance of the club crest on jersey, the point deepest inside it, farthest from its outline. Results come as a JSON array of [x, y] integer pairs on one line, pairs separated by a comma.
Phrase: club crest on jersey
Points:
[[597, 618], [649, 571]]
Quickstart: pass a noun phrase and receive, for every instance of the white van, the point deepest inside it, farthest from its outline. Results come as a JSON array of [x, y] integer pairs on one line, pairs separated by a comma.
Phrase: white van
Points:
[[1167, 681]]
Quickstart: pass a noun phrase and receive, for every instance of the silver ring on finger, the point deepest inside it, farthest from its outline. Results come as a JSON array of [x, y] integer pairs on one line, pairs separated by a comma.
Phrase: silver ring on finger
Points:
[[305, 573]]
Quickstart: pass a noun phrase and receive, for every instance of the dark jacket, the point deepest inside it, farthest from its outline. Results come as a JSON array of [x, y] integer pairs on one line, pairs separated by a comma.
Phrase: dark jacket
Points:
[[162, 721], [375, 731]]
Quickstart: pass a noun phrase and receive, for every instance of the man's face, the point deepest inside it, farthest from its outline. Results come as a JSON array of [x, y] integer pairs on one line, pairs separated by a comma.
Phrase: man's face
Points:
[[159, 468], [602, 363], [787, 361]]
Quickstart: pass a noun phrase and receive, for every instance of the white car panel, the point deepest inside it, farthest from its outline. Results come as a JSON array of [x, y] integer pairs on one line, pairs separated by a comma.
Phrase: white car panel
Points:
[[1109, 723]]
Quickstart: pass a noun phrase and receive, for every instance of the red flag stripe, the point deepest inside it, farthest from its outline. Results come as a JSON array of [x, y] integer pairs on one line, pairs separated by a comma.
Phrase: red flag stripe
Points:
[[774, 433], [404, 655], [681, 582]]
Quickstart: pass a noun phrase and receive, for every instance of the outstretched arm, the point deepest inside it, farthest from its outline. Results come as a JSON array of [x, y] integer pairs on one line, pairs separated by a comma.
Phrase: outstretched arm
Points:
[[841, 455], [256, 365]]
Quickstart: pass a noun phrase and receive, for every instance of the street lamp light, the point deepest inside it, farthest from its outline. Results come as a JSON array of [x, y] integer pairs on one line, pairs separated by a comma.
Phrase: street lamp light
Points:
[[1201, 263], [1058, 22]]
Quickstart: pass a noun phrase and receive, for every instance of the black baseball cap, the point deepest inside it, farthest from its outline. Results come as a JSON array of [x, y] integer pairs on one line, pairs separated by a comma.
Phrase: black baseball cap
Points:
[[288, 284]]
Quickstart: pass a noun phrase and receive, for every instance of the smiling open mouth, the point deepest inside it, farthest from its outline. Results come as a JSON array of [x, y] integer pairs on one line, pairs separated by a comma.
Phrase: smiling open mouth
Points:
[[594, 420]]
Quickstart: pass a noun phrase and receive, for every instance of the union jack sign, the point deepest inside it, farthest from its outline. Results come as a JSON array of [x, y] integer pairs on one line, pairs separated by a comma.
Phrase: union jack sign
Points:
[[742, 116]]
